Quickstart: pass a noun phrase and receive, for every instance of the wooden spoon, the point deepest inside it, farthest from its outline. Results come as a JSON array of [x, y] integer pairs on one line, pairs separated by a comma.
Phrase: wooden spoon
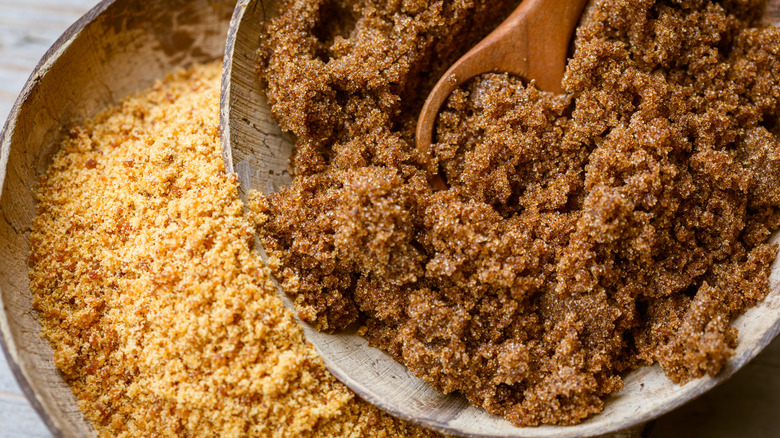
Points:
[[258, 151], [533, 43]]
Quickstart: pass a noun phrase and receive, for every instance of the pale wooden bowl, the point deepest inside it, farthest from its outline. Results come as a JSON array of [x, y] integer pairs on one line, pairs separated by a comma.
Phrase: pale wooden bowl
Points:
[[255, 148], [119, 47]]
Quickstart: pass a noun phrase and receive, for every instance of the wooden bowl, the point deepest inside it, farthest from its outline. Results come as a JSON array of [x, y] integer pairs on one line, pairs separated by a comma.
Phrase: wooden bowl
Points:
[[119, 47], [255, 148]]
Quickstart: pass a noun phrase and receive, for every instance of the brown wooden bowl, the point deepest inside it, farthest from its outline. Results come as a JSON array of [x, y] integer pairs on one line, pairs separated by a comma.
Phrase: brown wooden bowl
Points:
[[258, 151], [119, 47]]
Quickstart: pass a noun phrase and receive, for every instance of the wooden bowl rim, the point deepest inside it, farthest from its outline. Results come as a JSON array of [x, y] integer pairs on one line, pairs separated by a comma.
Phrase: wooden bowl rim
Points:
[[584, 429], [57, 421], [51, 56]]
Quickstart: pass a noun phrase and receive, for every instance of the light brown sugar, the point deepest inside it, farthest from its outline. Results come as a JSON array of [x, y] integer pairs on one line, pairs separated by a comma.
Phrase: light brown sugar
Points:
[[161, 315]]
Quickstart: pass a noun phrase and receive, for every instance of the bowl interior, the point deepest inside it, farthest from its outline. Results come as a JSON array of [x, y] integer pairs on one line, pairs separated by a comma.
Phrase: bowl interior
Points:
[[258, 151]]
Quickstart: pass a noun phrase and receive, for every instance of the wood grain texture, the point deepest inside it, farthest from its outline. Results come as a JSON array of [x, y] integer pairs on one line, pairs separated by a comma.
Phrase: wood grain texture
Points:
[[747, 405], [8, 386], [250, 136], [27, 29], [20, 420], [245, 125]]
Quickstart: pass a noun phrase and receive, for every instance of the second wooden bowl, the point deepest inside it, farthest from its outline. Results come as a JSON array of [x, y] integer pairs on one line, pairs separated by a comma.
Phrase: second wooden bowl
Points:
[[119, 47]]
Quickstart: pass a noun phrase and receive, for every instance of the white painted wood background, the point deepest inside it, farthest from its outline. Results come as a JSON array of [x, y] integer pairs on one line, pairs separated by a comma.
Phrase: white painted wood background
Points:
[[748, 405]]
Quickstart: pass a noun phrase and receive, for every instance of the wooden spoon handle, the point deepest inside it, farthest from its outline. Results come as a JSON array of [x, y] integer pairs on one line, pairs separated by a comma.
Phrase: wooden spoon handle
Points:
[[532, 43]]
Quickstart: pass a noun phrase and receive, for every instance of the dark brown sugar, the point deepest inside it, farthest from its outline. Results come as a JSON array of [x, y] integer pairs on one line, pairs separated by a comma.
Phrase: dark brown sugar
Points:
[[544, 244]]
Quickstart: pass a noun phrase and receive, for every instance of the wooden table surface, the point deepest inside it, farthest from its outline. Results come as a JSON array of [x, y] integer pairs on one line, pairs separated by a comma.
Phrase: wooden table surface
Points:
[[748, 405]]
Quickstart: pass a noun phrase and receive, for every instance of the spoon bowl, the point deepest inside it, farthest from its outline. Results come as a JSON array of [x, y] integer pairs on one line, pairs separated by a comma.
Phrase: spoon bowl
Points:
[[258, 151], [532, 42]]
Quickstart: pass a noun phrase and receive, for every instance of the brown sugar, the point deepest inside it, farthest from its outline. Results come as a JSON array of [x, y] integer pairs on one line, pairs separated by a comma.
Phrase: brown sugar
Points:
[[545, 244], [161, 315]]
